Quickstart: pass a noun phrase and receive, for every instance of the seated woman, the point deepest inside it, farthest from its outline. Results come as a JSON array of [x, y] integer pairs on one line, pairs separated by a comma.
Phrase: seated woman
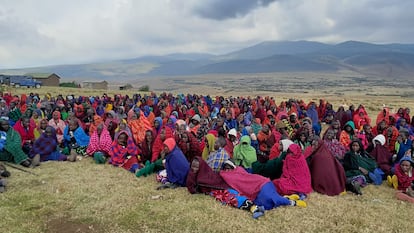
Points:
[[381, 154], [248, 130], [210, 140], [37, 116], [337, 149], [187, 143], [46, 147], [40, 128], [302, 139], [359, 167], [146, 146], [176, 165], [158, 147], [266, 139], [327, 173], [244, 154], [75, 138], [347, 134], [123, 126], [157, 125], [256, 187], [138, 125], [58, 124], [124, 153], [403, 180], [231, 141], [335, 127], [150, 148], [295, 177], [273, 167], [100, 144], [12, 150], [111, 122], [202, 179]]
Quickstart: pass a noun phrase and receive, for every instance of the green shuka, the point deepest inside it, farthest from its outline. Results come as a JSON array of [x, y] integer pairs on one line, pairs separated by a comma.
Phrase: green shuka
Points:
[[244, 154], [271, 168], [12, 151]]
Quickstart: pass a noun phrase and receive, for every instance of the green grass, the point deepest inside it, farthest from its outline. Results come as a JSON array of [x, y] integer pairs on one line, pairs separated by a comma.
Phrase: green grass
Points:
[[86, 197]]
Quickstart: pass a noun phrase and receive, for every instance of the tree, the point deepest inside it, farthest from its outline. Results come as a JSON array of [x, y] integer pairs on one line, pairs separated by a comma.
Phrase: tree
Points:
[[144, 88]]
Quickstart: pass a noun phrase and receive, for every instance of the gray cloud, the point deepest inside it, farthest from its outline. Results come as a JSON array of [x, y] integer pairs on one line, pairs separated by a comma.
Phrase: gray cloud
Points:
[[224, 9]]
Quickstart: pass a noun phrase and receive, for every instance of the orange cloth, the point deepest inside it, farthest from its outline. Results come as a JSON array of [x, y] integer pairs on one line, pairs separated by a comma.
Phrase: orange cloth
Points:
[[97, 120], [138, 128]]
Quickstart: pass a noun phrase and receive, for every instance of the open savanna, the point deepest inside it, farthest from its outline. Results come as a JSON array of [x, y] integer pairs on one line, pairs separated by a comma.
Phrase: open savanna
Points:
[[86, 197]]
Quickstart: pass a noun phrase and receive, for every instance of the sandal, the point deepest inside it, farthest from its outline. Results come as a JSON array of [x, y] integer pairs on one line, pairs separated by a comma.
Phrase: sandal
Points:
[[26, 163]]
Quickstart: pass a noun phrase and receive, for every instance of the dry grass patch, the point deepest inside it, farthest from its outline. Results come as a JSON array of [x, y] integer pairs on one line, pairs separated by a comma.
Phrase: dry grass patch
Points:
[[86, 197]]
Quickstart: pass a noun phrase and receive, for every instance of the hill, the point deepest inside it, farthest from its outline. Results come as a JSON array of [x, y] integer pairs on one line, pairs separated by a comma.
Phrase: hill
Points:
[[393, 61]]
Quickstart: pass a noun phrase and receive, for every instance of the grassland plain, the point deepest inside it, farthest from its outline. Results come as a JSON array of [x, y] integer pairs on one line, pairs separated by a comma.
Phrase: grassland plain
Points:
[[86, 197]]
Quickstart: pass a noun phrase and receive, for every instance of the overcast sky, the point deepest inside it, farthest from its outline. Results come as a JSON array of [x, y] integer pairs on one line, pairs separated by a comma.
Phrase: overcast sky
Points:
[[49, 32]]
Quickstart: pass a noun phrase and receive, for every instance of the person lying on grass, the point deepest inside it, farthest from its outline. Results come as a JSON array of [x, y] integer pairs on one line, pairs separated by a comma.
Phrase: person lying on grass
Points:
[[257, 188], [202, 179]]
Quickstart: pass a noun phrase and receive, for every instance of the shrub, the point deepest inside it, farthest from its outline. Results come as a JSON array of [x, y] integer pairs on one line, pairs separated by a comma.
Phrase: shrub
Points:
[[144, 88], [69, 84]]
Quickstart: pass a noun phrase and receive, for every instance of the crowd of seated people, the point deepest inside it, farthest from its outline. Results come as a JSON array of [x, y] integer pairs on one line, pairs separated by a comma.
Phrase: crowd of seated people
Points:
[[248, 152]]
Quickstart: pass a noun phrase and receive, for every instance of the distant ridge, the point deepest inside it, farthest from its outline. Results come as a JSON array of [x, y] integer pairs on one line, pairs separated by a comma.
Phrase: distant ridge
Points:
[[386, 60]]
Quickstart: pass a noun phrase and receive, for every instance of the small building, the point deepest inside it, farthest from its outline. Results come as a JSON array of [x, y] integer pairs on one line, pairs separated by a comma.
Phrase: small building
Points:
[[47, 79], [96, 84]]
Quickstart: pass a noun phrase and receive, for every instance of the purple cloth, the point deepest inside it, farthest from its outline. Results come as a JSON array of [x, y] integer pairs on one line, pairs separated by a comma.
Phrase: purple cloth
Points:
[[177, 167]]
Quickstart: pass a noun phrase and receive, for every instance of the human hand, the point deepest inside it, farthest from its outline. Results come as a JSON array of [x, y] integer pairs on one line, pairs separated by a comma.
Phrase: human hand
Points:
[[253, 137], [363, 170], [394, 157]]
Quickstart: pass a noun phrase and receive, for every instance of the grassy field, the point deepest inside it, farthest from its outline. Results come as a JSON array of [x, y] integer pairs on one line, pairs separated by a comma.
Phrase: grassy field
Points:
[[85, 197]]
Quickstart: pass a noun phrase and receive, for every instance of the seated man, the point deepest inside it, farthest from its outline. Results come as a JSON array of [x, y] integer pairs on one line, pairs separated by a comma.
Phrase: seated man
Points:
[[12, 150], [217, 158], [26, 130], [75, 138]]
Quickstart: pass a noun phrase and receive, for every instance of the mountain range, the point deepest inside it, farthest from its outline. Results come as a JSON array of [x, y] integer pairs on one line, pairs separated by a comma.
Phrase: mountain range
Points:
[[385, 60]]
